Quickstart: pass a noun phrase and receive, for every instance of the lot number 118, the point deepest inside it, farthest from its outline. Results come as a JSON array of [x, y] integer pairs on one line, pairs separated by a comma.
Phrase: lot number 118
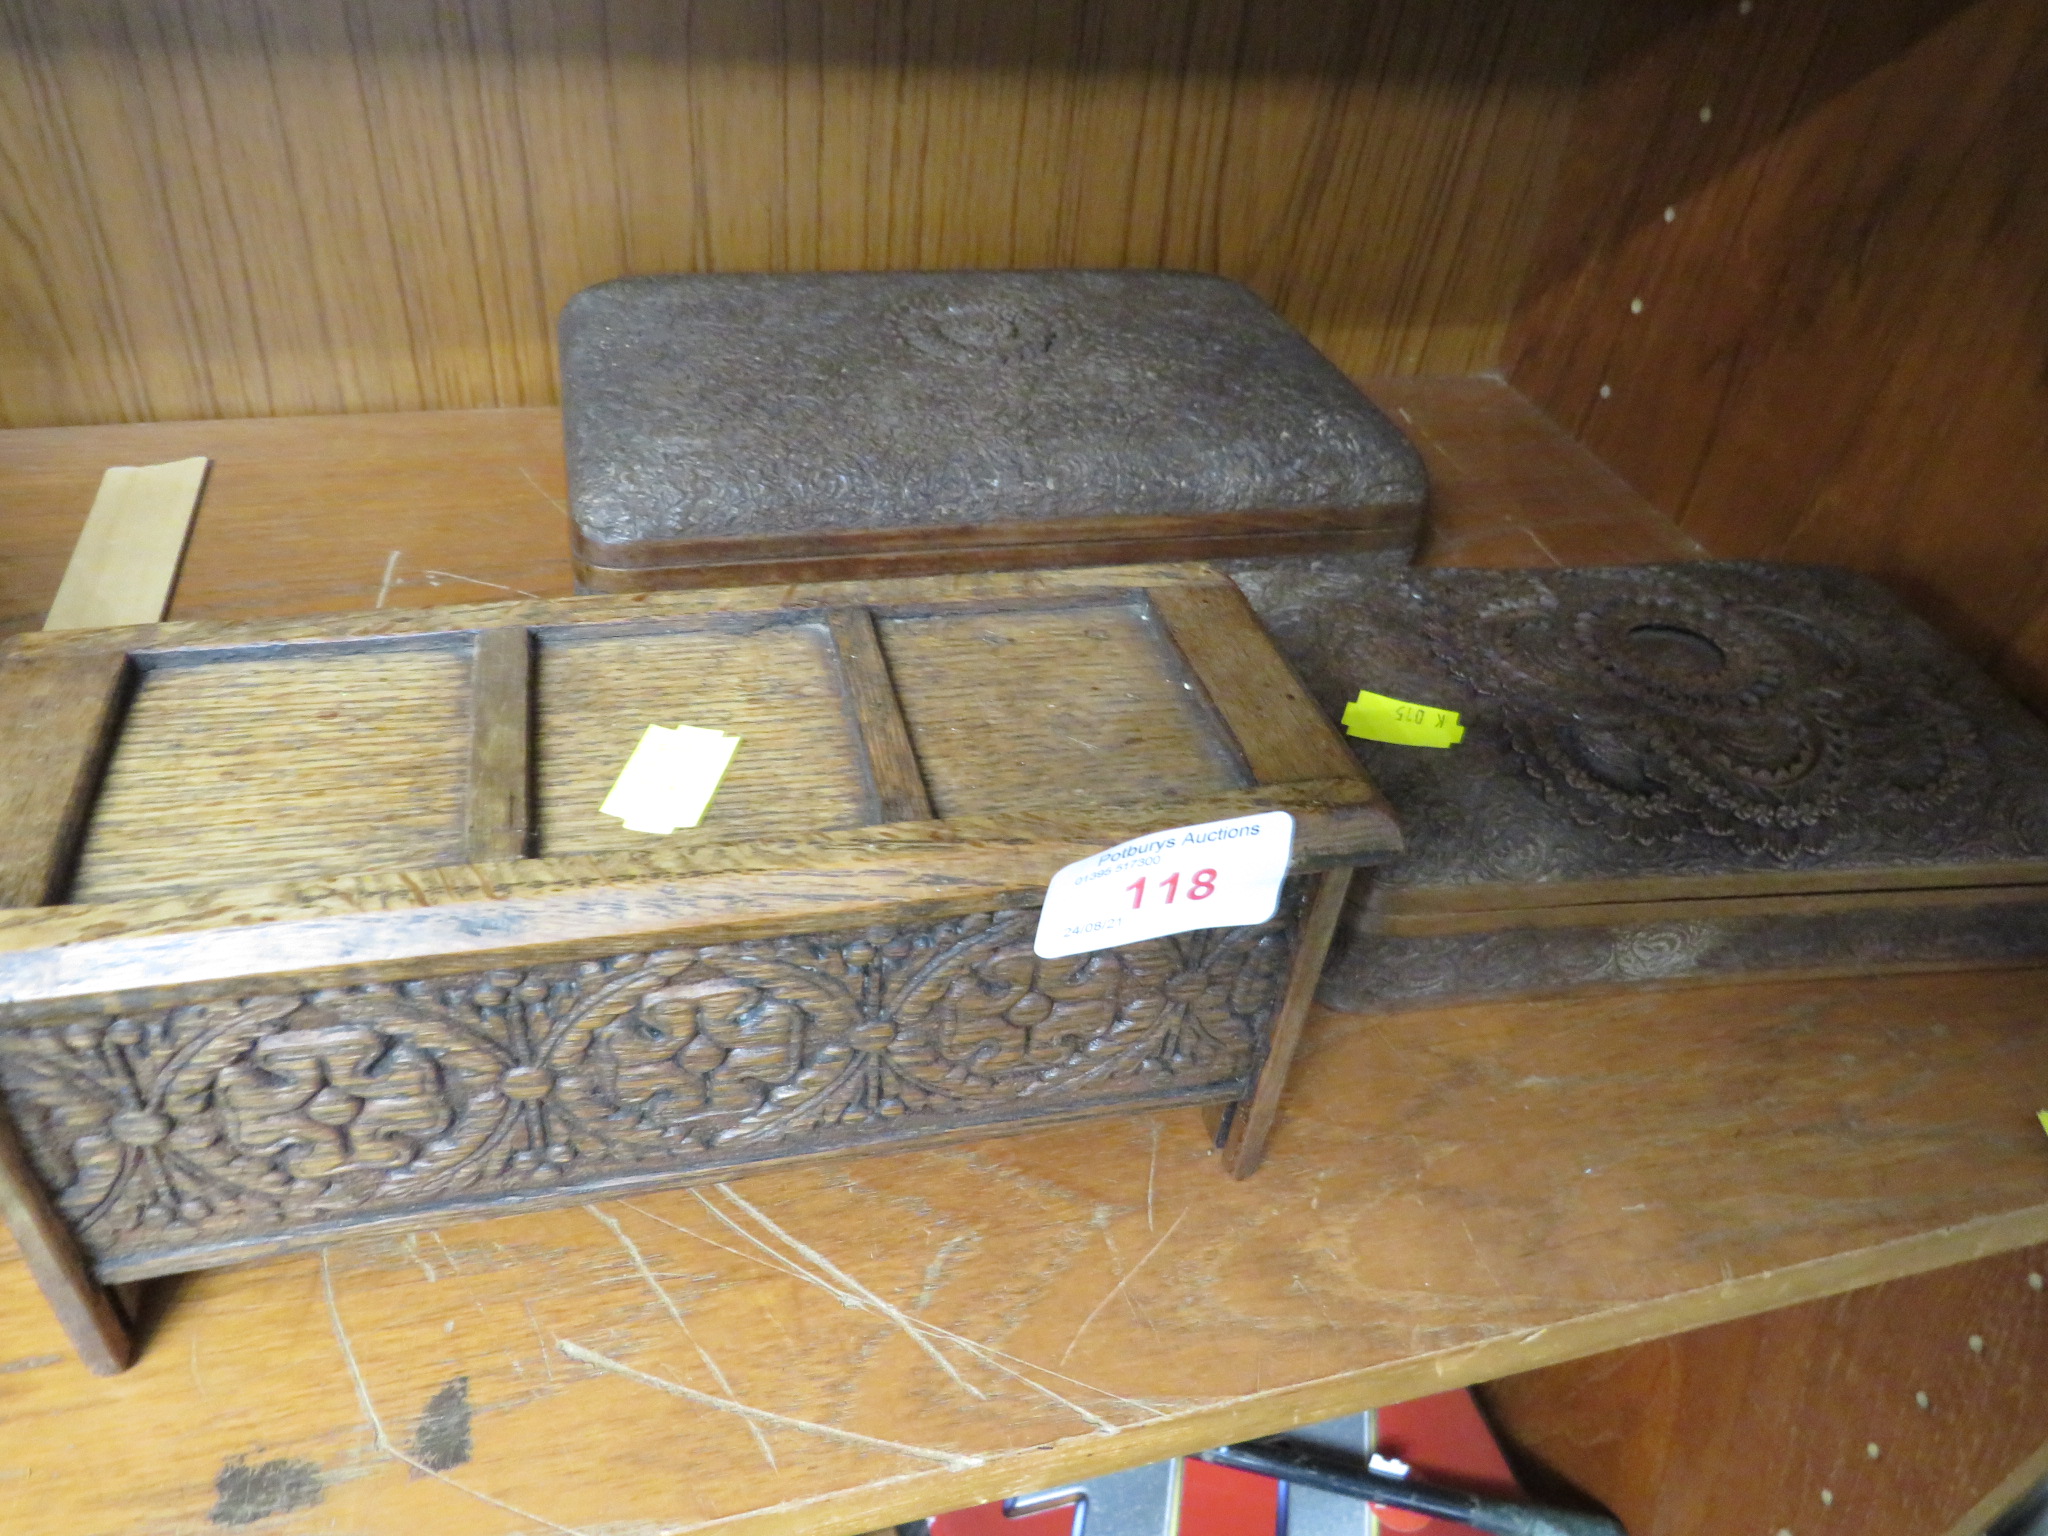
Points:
[[1203, 885]]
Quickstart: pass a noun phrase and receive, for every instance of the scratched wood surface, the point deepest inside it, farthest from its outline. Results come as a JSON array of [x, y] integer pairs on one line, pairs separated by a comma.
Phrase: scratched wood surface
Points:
[[231, 209], [1454, 1194]]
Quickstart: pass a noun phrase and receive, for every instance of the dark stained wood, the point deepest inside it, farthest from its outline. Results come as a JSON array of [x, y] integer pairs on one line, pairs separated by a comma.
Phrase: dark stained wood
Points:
[[939, 560], [89, 1316], [1453, 1194], [1791, 289], [67, 705], [1252, 1117], [972, 544], [892, 769], [1873, 1413], [497, 812], [304, 515], [515, 1032]]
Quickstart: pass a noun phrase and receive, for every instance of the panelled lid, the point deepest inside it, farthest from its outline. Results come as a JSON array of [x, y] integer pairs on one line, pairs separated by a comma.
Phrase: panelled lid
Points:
[[701, 410], [937, 745], [1696, 729]]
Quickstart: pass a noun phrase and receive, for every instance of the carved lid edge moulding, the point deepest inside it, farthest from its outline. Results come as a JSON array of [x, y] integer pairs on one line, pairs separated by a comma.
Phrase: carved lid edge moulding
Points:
[[201, 1072]]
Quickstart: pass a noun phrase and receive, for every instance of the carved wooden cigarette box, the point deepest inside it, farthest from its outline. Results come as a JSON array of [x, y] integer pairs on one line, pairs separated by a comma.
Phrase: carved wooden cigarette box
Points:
[[763, 427], [1672, 773], [313, 927]]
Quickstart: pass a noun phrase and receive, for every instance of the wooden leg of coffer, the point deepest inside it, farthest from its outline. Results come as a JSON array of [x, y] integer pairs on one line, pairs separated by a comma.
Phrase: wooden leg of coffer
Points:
[[90, 1316], [1251, 1117]]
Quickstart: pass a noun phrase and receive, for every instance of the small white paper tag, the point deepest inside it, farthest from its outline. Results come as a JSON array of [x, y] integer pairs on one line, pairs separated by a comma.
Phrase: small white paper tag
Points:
[[669, 780], [1219, 874]]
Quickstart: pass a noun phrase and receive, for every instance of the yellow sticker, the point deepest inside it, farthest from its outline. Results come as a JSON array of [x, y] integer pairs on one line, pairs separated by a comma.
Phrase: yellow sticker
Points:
[[1375, 717], [2043, 1113], [669, 780]]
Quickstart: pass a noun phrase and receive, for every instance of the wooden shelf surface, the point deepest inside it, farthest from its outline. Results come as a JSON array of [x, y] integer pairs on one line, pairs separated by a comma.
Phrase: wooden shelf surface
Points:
[[1453, 1194]]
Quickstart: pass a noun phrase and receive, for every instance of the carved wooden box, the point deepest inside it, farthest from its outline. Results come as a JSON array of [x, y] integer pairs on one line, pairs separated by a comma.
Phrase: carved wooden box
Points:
[[313, 927], [1676, 773], [781, 427]]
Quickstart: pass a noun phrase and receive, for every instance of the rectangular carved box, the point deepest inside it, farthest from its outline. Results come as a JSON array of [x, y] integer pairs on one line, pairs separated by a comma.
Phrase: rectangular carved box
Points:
[[313, 927], [1672, 773], [763, 427]]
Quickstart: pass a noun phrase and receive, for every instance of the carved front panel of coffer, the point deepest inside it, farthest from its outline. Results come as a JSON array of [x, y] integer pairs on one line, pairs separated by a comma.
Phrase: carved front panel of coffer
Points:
[[171, 1133]]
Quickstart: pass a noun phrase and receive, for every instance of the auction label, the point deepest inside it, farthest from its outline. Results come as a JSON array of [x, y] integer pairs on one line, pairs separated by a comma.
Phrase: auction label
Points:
[[1220, 874]]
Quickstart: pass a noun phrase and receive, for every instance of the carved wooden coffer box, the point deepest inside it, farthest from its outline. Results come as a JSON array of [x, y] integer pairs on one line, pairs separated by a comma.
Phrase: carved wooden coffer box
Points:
[[314, 926], [1672, 773], [771, 427]]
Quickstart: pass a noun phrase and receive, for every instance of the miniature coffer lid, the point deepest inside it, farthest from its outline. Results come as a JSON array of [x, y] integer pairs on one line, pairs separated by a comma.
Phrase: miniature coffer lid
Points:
[[732, 405], [1688, 729]]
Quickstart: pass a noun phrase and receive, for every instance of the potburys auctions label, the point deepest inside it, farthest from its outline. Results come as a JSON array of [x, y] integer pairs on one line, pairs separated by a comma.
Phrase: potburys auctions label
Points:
[[1220, 874]]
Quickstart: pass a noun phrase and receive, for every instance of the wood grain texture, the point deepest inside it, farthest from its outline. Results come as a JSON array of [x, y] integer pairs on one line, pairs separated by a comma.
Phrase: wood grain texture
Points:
[[1253, 689], [269, 768], [1426, 1216], [50, 772], [893, 776], [126, 560], [339, 513], [798, 767], [1016, 709], [1908, 1424], [89, 1316], [319, 515], [1253, 1117], [374, 927], [1455, 1195], [497, 821], [1790, 288], [236, 209]]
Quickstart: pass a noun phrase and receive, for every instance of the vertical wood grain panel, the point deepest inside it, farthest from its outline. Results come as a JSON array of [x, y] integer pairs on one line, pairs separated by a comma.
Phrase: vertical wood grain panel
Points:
[[1742, 1426], [1842, 349], [497, 812], [257, 207]]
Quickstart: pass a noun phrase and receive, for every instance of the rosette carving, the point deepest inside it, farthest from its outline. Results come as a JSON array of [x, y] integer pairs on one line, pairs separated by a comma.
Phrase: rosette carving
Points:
[[218, 1120]]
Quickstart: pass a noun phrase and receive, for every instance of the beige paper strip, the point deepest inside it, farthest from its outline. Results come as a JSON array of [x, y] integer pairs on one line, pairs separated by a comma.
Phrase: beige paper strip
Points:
[[127, 555]]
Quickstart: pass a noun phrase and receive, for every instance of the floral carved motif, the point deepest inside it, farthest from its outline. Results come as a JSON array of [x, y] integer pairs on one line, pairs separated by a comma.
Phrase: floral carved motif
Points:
[[1664, 715], [173, 1129]]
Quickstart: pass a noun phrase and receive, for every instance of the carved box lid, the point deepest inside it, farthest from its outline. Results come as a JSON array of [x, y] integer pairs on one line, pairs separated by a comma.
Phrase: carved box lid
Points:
[[1687, 730], [765, 427]]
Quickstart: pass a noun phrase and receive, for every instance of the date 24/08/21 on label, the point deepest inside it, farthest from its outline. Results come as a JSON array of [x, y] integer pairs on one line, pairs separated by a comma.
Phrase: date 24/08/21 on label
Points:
[[1218, 874]]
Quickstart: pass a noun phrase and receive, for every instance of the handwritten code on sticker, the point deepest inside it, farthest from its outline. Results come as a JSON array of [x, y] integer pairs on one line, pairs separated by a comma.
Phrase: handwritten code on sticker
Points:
[[1217, 874], [1375, 717], [669, 780]]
